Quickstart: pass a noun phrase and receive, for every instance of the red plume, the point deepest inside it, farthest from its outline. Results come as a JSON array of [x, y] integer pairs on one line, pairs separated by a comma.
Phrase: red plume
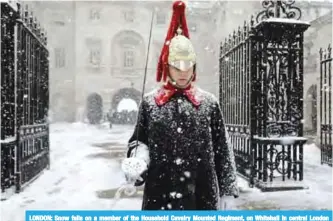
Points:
[[178, 19]]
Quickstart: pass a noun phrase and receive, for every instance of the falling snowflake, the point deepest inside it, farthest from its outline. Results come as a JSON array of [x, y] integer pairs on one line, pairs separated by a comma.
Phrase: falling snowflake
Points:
[[173, 194], [179, 161], [179, 195]]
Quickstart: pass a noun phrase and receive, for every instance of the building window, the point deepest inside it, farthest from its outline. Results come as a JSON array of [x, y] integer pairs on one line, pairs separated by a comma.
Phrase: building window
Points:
[[58, 18], [59, 54], [129, 16], [128, 58], [95, 56], [160, 18], [95, 51], [95, 14]]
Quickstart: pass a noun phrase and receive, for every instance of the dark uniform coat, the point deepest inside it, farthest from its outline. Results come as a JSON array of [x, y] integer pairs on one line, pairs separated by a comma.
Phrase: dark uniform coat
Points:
[[191, 162]]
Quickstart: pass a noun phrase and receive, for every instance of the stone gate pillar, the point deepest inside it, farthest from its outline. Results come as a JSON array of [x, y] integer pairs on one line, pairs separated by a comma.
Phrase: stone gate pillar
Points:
[[277, 93]]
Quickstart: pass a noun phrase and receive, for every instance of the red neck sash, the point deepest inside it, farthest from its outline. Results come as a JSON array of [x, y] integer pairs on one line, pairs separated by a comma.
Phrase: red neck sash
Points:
[[167, 91]]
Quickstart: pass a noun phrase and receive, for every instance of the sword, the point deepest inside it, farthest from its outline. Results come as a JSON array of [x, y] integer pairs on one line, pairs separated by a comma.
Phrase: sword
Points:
[[144, 79], [129, 188]]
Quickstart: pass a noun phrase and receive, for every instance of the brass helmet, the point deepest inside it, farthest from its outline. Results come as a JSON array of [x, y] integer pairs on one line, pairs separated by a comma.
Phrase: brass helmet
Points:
[[181, 52], [178, 50]]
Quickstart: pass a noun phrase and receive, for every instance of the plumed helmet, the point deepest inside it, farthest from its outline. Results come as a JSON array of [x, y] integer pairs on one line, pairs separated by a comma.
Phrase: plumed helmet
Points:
[[178, 50]]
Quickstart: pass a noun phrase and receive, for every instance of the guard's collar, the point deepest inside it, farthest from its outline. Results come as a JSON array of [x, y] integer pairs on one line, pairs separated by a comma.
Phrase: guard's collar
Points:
[[165, 93]]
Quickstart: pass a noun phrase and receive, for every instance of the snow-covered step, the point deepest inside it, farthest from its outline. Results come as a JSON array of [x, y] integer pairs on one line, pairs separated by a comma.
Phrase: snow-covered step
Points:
[[110, 194]]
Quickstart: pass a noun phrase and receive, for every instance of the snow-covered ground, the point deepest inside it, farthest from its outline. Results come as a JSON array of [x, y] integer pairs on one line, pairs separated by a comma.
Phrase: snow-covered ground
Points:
[[84, 173]]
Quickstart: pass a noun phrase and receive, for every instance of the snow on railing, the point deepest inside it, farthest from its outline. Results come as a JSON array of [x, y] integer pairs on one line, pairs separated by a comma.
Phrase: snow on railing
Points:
[[8, 140], [11, 3], [286, 20], [286, 140]]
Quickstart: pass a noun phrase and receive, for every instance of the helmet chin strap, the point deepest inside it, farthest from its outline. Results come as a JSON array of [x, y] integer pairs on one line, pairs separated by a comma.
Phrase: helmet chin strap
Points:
[[173, 82]]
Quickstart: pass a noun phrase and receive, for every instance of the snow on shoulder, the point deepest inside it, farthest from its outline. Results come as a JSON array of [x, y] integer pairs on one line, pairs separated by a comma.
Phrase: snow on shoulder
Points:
[[148, 97], [207, 95]]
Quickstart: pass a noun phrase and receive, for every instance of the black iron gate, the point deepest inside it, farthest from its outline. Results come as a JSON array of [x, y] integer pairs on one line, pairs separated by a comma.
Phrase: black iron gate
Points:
[[261, 95], [24, 98], [326, 92]]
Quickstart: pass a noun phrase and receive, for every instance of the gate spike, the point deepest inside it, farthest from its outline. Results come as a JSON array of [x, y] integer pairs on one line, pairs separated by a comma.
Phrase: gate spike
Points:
[[245, 29], [221, 48], [229, 42], [252, 21], [325, 54], [321, 53], [45, 37], [329, 49], [225, 45], [31, 20], [240, 36], [20, 9], [42, 34], [38, 29], [234, 38], [35, 25], [26, 14]]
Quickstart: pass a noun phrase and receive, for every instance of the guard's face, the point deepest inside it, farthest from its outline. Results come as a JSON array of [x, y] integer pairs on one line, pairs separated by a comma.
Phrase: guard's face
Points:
[[181, 77]]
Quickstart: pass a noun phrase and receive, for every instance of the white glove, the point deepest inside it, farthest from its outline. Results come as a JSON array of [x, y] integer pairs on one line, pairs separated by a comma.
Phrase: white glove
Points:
[[137, 163], [133, 167], [139, 150], [227, 203]]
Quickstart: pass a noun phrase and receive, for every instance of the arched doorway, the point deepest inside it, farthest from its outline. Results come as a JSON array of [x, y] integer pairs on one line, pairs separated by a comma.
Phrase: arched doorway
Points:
[[312, 108], [124, 106], [127, 104]]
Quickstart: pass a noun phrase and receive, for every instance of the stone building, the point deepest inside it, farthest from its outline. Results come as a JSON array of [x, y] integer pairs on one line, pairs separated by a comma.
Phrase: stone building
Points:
[[58, 20], [318, 36], [101, 47]]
